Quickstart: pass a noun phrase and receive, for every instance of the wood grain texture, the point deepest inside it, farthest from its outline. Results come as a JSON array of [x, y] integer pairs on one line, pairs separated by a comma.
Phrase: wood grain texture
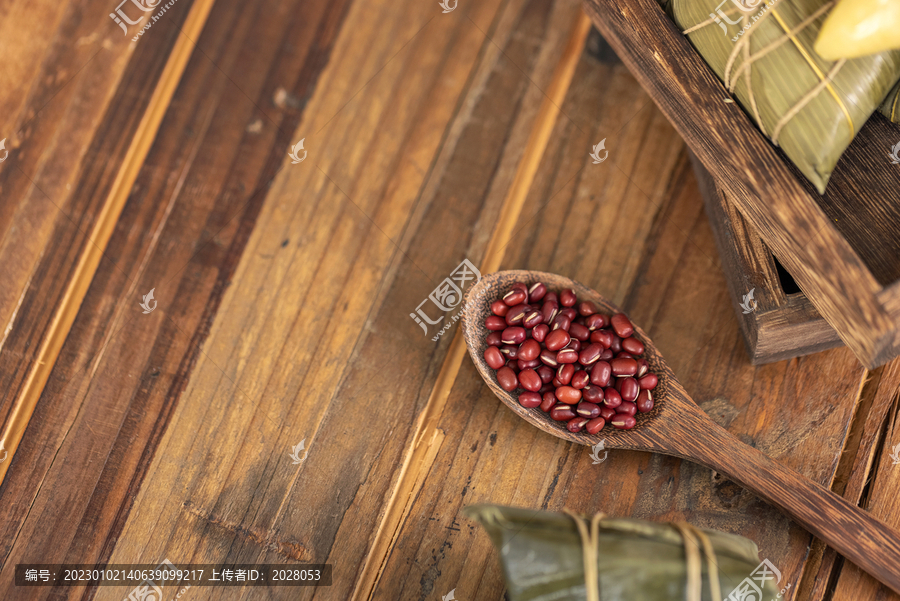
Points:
[[676, 426], [119, 376], [782, 326], [822, 241], [490, 454], [340, 344], [98, 237], [284, 299], [64, 157], [864, 446]]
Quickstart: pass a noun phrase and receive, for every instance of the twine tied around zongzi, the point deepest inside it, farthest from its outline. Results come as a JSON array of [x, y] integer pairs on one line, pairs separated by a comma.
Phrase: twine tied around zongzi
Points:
[[742, 48], [692, 537]]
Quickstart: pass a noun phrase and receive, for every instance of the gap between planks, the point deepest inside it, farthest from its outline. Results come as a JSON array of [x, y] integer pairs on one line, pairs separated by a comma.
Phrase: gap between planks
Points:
[[428, 437], [95, 245]]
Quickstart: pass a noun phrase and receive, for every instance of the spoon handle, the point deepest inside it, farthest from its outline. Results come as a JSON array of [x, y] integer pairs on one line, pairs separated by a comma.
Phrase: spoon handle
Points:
[[849, 530]]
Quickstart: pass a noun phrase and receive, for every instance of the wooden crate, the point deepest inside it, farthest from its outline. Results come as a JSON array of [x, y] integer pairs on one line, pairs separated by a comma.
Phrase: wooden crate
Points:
[[781, 322], [842, 248]]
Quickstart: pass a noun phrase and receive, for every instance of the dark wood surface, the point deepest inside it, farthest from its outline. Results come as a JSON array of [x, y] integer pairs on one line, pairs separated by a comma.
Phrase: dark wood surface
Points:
[[839, 247], [781, 324], [676, 426], [284, 298]]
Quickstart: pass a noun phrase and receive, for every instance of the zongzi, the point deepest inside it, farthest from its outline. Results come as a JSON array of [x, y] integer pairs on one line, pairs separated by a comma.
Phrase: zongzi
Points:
[[763, 51], [550, 556], [889, 108]]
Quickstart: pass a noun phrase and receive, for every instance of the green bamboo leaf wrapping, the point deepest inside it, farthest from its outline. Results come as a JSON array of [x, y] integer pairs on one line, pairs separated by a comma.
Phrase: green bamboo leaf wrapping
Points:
[[541, 557], [814, 138], [890, 108]]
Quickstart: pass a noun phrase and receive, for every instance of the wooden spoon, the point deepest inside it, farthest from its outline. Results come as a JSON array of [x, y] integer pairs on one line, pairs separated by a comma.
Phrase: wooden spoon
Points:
[[677, 426]]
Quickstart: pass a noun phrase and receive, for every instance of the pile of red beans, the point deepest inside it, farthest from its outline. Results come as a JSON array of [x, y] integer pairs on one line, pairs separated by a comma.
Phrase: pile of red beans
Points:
[[579, 365]]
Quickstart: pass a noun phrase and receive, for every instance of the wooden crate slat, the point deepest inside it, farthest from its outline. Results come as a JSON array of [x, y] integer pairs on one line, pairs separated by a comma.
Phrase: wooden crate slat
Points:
[[765, 188]]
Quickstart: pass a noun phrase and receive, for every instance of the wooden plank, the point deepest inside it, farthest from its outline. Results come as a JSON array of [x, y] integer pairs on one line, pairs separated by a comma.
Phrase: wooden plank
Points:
[[876, 480], [661, 265], [357, 353], [780, 325], [420, 456], [120, 374], [83, 271], [284, 309], [834, 262], [858, 461], [54, 99]]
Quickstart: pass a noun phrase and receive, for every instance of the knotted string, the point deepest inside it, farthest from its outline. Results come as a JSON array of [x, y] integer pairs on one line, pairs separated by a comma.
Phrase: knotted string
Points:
[[742, 48], [590, 535]]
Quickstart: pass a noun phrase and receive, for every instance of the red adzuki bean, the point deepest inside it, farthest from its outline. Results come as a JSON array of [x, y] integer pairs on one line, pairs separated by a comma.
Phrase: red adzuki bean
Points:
[[530, 400], [627, 407], [611, 397], [532, 318], [568, 395], [572, 361], [556, 340], [590, 354], [516, 314], [536, 292], [633, 346], [567, 297], [562, 413], [622, 325], [514, 297], [607, 412], [592, 393], [602, 337], [643, 367], [622, 421], [595, 425], [567, 355], [549, 357], [601, 374], [622, 367], [549, 311], [507, 379], [586, 308], [644, 401], [628, 388], [561, 322], [495, 322], [588, 410], [648, 382], [564, 373], [499, 308], [616, 345], [580, 379], [513, 335], [530, 349], [545, 373], [577, 424], [521, 364], [530, 380], [494, 358], [548, 401], [579, 332]]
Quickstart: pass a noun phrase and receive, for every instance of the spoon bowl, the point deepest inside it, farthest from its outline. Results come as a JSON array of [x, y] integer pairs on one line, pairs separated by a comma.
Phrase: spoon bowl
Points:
[[677, 426], [477, 309]]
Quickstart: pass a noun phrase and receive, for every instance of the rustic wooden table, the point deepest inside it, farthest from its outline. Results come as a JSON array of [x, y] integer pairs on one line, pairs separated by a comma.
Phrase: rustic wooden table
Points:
[[283, 293]]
